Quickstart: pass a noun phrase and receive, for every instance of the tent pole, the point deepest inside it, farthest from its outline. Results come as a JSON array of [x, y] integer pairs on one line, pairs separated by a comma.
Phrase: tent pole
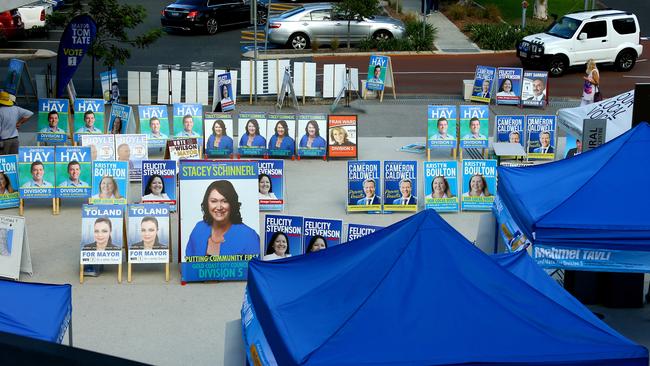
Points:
[[70, 331]]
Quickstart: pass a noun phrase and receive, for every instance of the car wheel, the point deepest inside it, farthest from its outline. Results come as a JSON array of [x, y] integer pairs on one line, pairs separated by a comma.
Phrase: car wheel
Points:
[[211, 26], [299, 41], [261, 17], [625, 60], [382, 35], [557, 66]]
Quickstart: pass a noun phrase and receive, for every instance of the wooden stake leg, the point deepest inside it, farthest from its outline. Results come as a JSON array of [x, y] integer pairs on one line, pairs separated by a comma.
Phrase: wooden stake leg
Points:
[[81, 273], [128, 272], [119, 273]]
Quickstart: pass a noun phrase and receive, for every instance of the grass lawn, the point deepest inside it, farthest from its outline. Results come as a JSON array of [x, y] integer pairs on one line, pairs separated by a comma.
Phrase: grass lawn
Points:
[[511, 9]]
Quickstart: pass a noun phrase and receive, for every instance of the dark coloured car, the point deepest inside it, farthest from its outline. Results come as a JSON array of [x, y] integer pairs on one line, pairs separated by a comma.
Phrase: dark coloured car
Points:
[[208, 15]]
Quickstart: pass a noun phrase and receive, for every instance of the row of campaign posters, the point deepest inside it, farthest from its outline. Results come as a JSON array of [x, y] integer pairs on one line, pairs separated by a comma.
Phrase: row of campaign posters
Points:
[[395, 188], [510, 86]]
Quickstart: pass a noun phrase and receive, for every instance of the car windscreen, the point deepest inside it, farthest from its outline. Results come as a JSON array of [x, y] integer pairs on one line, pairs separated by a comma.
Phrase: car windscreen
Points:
[[291, 12], [564, 28], [191, 2]]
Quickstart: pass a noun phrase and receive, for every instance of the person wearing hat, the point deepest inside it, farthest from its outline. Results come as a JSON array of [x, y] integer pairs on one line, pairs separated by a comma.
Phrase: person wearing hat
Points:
[[11, 118]]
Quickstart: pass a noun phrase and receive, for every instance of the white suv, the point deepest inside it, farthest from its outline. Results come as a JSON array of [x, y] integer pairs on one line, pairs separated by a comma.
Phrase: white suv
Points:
[[607, 36]]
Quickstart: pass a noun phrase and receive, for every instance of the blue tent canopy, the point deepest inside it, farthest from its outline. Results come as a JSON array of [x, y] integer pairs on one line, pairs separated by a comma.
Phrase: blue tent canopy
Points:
[[419, 293], [35, 310], [591, 200]]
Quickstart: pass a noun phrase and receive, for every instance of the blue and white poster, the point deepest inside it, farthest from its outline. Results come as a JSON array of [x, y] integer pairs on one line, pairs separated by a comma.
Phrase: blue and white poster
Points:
[[312, 135], [226, 96], [188, 120], [36, 172], [148, 233], [356, 231], [154, 124], [474, 126], [541, 136], [252, 128], [159, 181], [591, 259], [88, 117], [316, 230], [102, 234], [53, 123], [218, 133], [377, 69], [276, 226], [280, 133], [75, 41], [484, 78], [508, 86], [110, 86], [364, 186], [534, 91], [271, 185], [441, 186], [110, 182], [102, 147], [441, 126], [73, 171], [14, 73], [9, 195], [132, 148], [510, 129], [119, 119], [479, 185], [400, 185], [513, 238]]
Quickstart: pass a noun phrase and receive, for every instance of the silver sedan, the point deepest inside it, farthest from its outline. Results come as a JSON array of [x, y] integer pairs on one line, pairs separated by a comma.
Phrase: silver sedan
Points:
[[298, 27]]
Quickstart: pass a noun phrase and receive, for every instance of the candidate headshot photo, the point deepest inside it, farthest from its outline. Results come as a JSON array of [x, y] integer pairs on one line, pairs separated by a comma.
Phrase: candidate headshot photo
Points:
[[539, 91], [52, 123], [477, 187], [251, 136], [102, 235], [316, 243], [484, 91], [544, 144], [576, 150], [514, 137], [219, 138], [442, 134], [312, 138], [376, 75], [38, 172], [440, 188], [116, 126], [188, 127], [369, 189], [406, 188], [89, 124], [339, 137], [277, 247], [149, 235], [225, 95], [154, 127], [474, 128], [154, 189], [281, 139], [505, 89], [222, 230], [74, 173], [5, 184], [115, 92], [265, 187], [108, 189]]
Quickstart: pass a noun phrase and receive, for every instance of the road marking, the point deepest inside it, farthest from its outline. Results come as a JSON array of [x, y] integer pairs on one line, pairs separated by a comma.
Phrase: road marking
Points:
[[636, 77], [642, 60], [33, 41]]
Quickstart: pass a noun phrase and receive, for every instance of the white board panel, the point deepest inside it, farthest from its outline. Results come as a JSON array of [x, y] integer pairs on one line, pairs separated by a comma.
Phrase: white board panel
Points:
[[202, 78], [177, 82], [328, 81], [190, 86], [245, 77], [145, 87], [163, 87], [133, 87], [354, 79]]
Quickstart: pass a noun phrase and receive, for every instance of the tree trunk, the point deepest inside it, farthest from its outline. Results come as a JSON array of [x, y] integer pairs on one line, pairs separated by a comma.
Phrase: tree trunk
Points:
[[541, 10], [349, 33]]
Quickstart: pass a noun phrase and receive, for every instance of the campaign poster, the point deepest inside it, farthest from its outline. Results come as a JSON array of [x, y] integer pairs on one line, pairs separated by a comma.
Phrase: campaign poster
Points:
[[319, 234], [356, 231], [252, 128], [364, 186], [36, 172], [474, 126], [14, 73], [102, 147], [479, 185], [132, 149], [484, 78], [226, 96], [541, 136], [119, 119], [274, 227], [271, 185], [217, 134], [513, 239], [342, 136], [52, 120], [110, 182], [510, 129], [12, 229], [102, 234], [441, 186], [9, 195], [533, 89], [110, 86], [216, 195], [154, 123], [441, 126], [77, 38], [73, 166], [312, 130], [159, 181], [377, 72], [188, 120], [400, 185], [148, 235], [88, 117], [185, 148], [280, 133], [509, 80]]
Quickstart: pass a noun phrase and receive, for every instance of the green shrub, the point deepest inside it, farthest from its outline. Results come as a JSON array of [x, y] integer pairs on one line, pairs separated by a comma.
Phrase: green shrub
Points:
[[314, 45], [457, 11], [491, 12], [367, 44], [335, 43], [420, 40], [498, 36]]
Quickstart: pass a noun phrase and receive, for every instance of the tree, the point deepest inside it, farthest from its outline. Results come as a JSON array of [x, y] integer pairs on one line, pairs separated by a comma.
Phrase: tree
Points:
[[541, 9], [353, 10], [113, 22]]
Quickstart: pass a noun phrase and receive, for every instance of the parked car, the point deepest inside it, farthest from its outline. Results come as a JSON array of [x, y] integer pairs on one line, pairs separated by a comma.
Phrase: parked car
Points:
[[33, 15], [11, 25], [298, 27], [607, 36], [208, 15]]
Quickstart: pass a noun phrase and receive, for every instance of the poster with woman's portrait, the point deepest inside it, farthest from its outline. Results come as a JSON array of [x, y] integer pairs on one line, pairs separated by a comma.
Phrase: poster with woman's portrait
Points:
[[510, 129], [541, 131], [252, 128], [312, 135], [217, 133], [110, 182], [282, 236], [102, 234], [148, 233], [188, 120], [483, 84], [441, 126], [474, 126], [132, 148], [159, 182], [479, 185], [9, 195], [73, 171], [36, 172], [441, 186], [271, 185], [119, 119], [102, 147], [509, 85], [88, 117], [356, 231], [225, 93], [342, 136], [219, 219], [400, 185], [53, 122], [364, 186], [319, 234], [280, 134]]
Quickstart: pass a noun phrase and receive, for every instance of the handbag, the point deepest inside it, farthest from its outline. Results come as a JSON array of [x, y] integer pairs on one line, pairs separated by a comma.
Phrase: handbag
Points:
[[598, 96]]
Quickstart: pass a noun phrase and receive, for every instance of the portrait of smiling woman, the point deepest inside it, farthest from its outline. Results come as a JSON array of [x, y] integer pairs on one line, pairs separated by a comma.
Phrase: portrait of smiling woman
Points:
[[278, 247], [149, 233], [102, 234], [155, 189], [281, 139], [251, 136]]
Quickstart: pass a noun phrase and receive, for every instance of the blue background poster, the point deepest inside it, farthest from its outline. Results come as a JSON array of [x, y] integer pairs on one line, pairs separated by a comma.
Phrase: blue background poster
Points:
[[356, 231], [541, 136], [400, 185], [77, 37], [9, 197], [132, 148], [113, 177], [312, 135], [119, 118], [56, 110], [484, 78], [251, 126], [73, 180], [165, 169], [89, 216], [508, 87], [93, 122], [36, 180], [441, 186], [513, 239], [291, 226], [331, 230], [218, 133], [479, 185], [510, 129], [271, 185], [441, 126], [281, 126], [376, 79], [473, 135], [154, 123], [364, 183], [14, 73], [226, 96], [147, 248], [188, 120]]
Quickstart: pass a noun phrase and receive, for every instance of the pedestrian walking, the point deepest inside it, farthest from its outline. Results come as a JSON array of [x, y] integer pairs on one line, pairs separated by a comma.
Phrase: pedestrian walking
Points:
[[592, 81], [11, 118]]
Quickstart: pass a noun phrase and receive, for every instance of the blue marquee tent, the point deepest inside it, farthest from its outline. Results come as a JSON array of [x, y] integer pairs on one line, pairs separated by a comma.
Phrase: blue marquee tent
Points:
[[419, 293]]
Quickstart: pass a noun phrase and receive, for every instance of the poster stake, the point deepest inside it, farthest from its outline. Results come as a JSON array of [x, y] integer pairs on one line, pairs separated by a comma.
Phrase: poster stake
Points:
[[81, 273]]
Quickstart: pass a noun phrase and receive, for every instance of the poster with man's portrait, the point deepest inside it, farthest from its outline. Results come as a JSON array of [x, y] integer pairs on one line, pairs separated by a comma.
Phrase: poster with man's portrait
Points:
[[148, 233], [52, 125], [312, 135], [534, 88], [110, 86], [218, 133], [279, 229], [88, 117], [479, 185], [188, 120], [320, 234], [132, 148], [102, 235], [377, 72], [541, 132], [364, 186], [441, 126], [400, 185], [110, 182], [441, 186], [510, 129], [219, 219], [36, 172], [280, 134], [9, 195], [154, 124], [102, 147], [252, 128], [342, 136], [509, 85], [271, 185], [73, 166], [484, 78], [474, 126]]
